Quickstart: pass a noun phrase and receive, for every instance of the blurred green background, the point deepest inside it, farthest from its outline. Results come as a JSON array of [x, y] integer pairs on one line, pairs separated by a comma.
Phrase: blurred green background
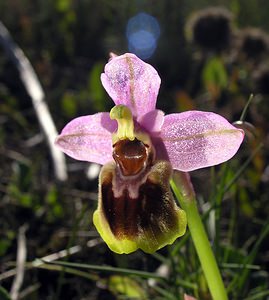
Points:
[[68, 43]]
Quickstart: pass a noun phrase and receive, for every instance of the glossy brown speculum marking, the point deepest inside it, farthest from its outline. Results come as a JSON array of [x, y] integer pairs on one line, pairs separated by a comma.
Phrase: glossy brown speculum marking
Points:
[[130, 156]]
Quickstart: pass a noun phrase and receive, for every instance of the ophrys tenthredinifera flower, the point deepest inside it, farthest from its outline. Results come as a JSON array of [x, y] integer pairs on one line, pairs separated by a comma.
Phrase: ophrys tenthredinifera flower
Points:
[[139, 147]]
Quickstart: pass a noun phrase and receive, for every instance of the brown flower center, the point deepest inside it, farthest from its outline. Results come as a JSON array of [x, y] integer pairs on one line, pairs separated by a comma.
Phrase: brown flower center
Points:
[[130, 156]]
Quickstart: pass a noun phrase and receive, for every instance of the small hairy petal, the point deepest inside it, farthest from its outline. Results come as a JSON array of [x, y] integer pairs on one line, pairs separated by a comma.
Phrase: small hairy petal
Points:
[[197, 139], [130, 81], [152, 121], [88, 138]]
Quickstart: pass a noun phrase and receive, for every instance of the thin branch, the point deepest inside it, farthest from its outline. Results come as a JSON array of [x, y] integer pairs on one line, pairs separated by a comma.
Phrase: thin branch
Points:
[[36, 93]]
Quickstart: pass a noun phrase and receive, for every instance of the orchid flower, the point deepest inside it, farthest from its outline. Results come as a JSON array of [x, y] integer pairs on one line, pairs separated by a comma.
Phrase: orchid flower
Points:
[[139, 147]]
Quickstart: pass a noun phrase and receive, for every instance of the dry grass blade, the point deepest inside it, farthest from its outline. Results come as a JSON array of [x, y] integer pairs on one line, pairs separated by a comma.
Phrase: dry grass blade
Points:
[[52, 257], [35, 91], [21, 258]]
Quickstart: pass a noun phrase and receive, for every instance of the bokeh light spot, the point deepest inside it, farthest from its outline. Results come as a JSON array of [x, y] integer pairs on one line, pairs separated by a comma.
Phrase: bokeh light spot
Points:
[[142, 33]]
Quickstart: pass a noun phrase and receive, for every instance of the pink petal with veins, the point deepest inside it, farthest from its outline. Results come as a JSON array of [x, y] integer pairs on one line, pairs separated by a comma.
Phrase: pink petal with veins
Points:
[[152, 121], [130, 81], [88, 138], [196, 139]]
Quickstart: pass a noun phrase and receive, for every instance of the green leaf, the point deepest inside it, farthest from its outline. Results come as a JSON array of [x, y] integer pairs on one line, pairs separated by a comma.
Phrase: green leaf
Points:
[[133, 272], [4, 245], [63, 5], [96, 89], [69, 104], [52, 195], [4, 294], [214, 73], [122, 285]]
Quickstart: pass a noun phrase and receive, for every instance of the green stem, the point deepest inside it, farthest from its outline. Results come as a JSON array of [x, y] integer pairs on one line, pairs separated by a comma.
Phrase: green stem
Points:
[[184, 192]]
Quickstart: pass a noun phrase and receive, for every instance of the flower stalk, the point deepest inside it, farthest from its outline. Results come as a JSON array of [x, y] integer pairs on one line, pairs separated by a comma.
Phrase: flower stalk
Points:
[[183, 190]]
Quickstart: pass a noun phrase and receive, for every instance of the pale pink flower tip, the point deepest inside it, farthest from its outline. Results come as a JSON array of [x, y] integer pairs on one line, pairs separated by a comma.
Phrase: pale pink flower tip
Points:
[[187, 297]]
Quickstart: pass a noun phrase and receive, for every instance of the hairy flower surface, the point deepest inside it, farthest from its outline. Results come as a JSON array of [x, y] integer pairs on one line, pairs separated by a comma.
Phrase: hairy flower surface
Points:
[[139, 147]]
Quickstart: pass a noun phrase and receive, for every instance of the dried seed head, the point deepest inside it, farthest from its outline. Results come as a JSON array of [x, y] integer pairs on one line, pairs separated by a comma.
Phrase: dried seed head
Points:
[[210, 28]]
